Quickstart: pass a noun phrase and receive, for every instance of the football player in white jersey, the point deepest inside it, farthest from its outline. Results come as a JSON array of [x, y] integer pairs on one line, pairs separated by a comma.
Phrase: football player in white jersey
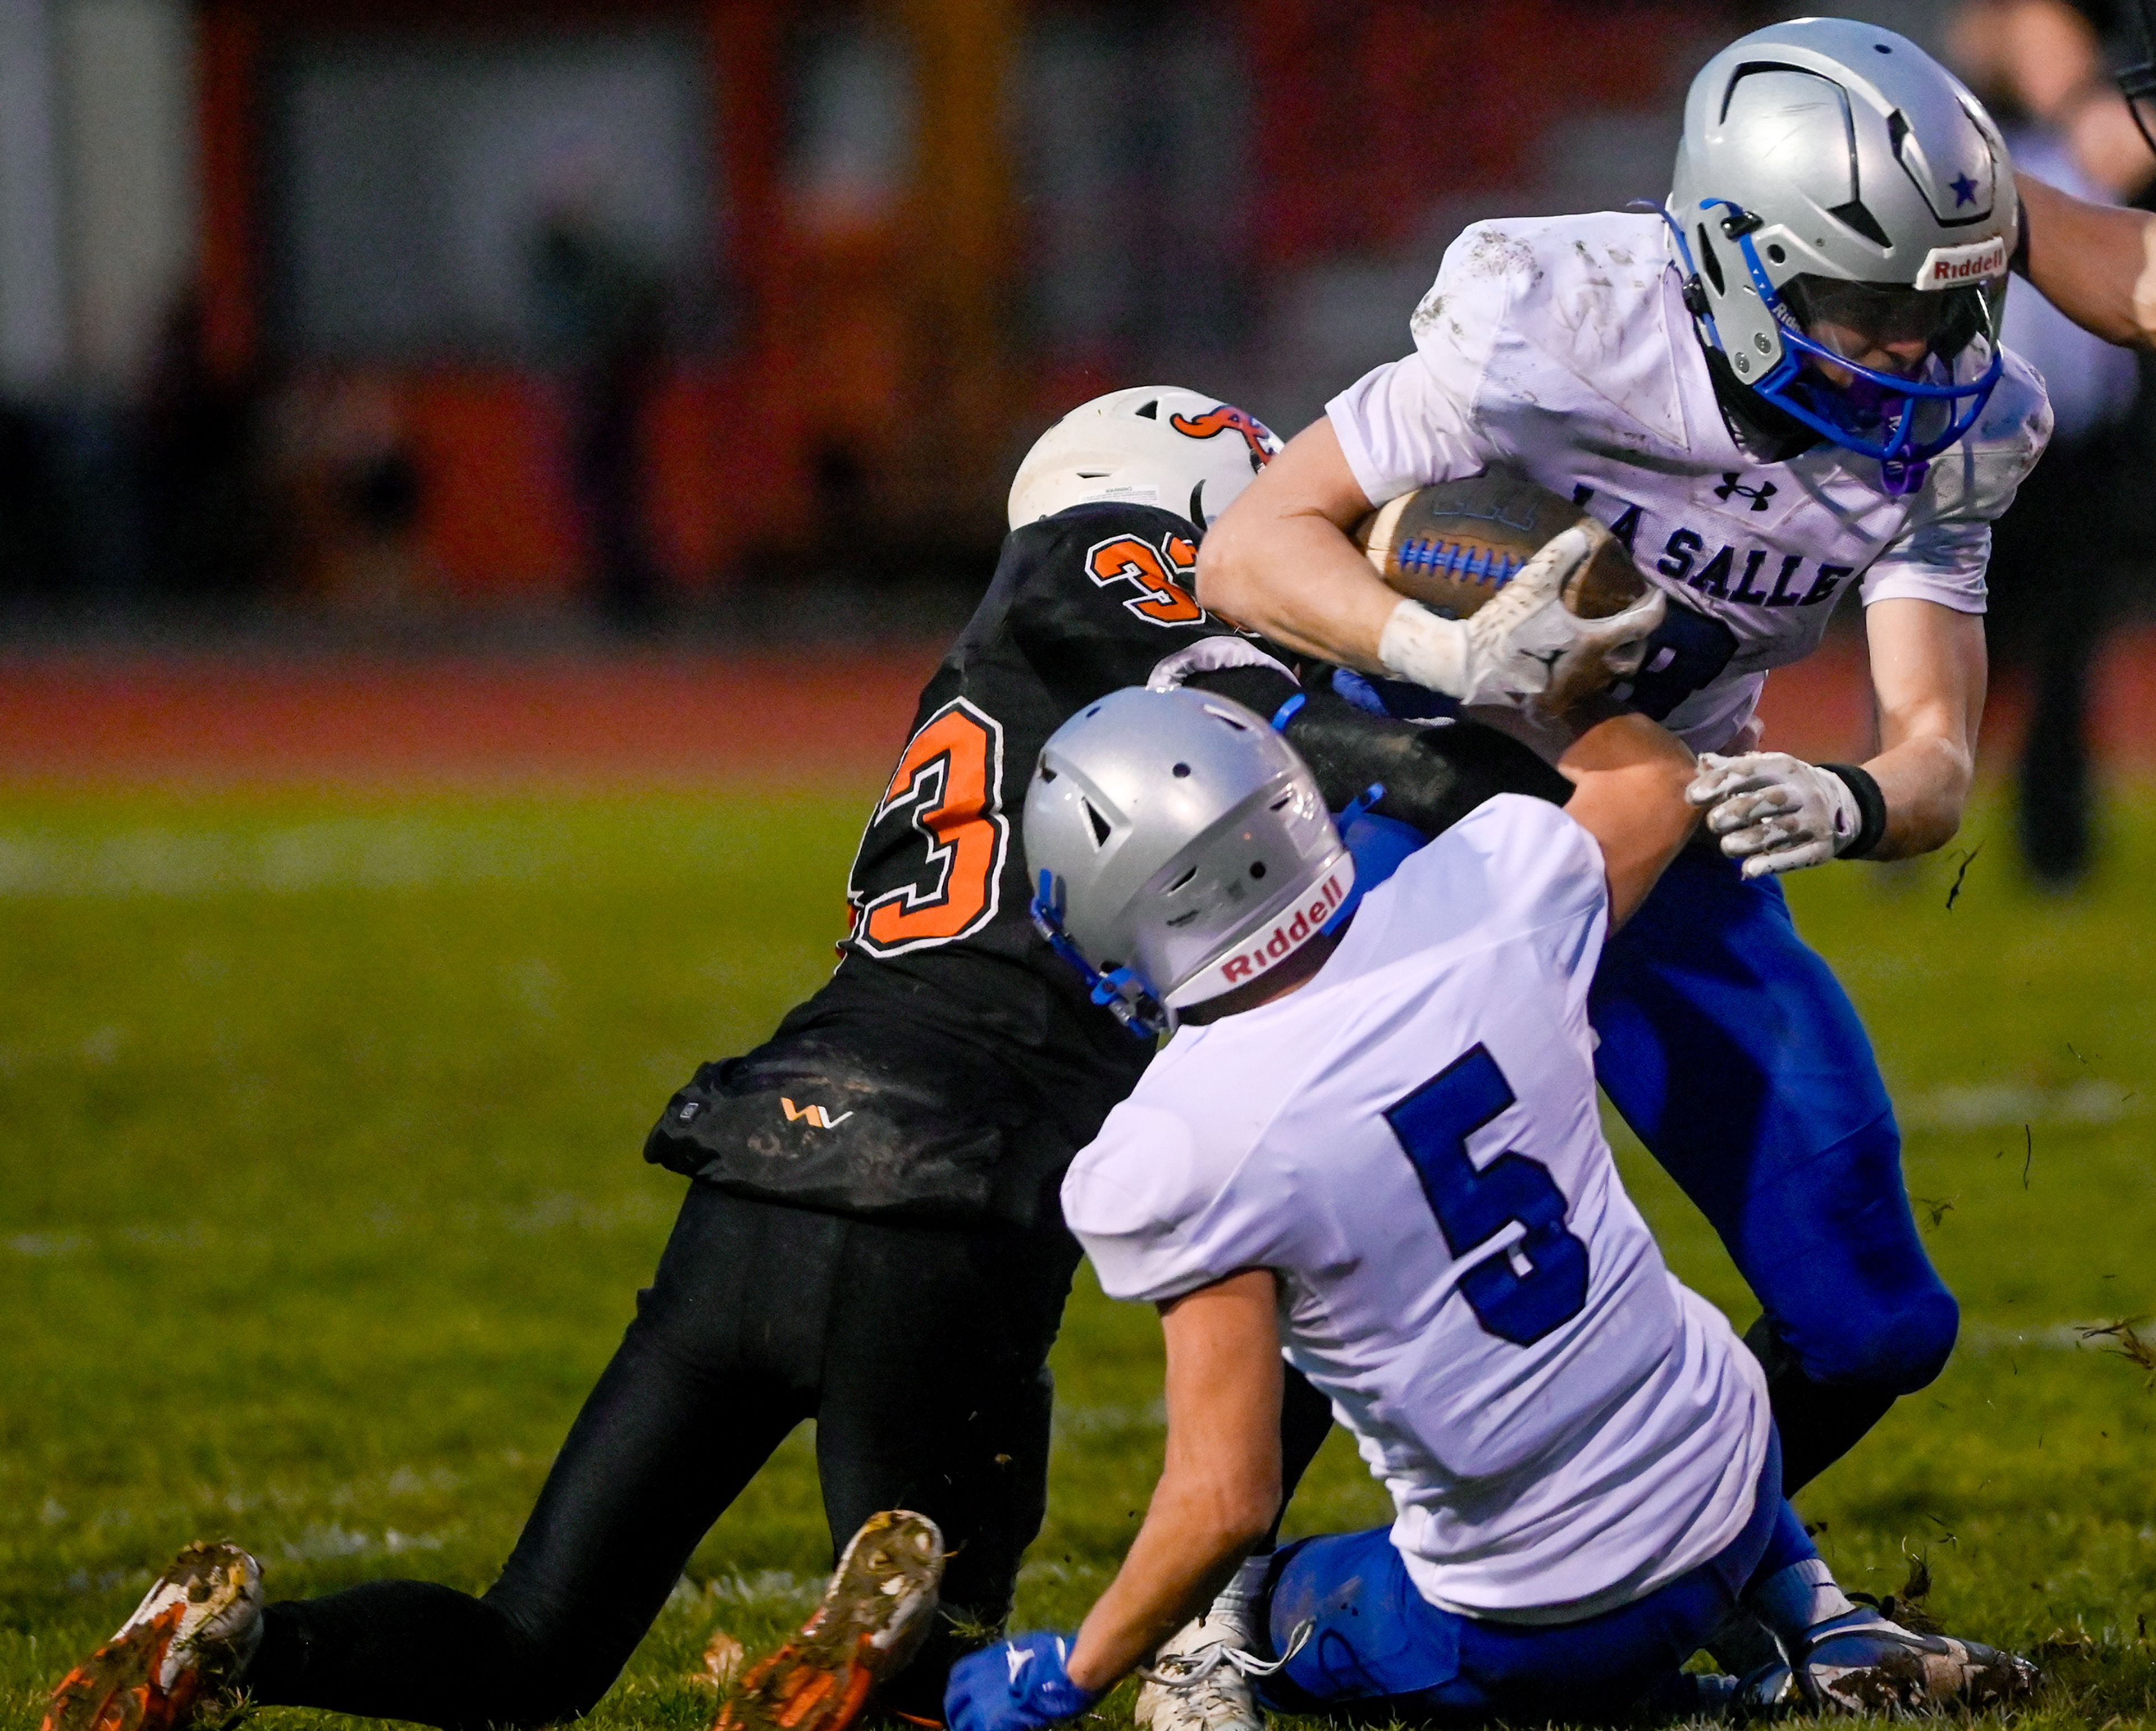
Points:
[[1372, 1146], [1786, 385]]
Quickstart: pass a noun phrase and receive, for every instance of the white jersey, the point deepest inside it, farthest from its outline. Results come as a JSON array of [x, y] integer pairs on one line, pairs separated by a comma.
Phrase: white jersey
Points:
[[1411, 1143], [1561, 346]]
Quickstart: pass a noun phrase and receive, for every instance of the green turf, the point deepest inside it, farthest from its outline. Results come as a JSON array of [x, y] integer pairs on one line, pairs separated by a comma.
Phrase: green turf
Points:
[[320, 1207]]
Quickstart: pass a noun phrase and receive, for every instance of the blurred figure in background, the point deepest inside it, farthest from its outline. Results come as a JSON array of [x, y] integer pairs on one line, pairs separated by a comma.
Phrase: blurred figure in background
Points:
[[209, 520], [2038, 65], [351, 493], [607, 312]]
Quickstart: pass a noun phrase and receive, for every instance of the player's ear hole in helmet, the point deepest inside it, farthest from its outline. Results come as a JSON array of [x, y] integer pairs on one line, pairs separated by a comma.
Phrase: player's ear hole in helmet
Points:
[[1845, 212], [1153, 444], [1180, 849]]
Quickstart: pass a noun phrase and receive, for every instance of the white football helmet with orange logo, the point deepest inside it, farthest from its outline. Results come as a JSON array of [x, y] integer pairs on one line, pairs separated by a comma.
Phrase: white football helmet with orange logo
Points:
[[1154, 444]]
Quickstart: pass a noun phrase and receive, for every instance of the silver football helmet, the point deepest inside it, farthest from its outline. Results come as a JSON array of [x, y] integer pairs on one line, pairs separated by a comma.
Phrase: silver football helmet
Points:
[[1153, 444], [1180, 848], [1832, 173]]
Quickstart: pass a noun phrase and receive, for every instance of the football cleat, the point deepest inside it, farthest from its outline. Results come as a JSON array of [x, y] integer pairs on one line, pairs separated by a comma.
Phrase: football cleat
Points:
[[188, 1642], [1863, 1664], [873, 1618], [1195, 1684]]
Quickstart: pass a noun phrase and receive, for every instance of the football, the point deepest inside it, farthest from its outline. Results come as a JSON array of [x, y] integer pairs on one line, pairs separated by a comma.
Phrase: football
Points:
[[1453, 545]]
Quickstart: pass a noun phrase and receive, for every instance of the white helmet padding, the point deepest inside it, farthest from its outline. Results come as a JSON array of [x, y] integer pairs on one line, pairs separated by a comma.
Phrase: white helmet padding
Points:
[[1155, 444], [1180, 848]]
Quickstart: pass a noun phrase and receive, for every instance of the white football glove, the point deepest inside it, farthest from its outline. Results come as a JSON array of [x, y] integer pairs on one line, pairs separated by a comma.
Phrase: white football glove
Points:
[[1774, 811], [1524, 645]]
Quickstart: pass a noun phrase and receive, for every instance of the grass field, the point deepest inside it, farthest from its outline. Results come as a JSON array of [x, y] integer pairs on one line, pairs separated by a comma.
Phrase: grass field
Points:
[[320, 1207]]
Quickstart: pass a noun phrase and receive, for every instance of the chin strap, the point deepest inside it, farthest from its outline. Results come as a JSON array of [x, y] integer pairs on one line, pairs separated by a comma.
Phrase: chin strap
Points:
[[1122, 992]]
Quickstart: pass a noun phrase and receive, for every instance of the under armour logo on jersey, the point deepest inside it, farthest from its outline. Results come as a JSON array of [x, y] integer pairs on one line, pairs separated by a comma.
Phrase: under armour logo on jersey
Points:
[[1731, 486], [819, 1116]]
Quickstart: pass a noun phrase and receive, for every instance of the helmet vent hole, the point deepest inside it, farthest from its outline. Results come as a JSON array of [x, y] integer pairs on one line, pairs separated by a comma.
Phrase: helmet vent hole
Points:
[[1854, 215], [1046, 773], [1149, 410], [1880, 47], [1257, 868], [1092, 474], [1774, 253], [1180, 882], [1706, 258], [1099, 823], [1180, 771], [1281, 804]]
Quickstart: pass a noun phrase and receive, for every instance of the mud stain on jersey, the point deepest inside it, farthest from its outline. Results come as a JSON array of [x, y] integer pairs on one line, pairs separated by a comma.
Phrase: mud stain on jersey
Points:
[[1494, 253]]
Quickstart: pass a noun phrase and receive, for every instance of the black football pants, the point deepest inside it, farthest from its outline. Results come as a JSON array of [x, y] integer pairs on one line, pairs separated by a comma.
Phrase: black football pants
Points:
[[920, 1351]]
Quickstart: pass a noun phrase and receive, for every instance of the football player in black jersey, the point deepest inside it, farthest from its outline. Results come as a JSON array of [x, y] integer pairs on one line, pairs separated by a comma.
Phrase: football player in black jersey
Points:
[[871, 1236]]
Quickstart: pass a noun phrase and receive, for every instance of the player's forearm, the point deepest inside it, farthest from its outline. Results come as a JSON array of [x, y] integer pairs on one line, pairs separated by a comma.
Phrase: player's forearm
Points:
[[1196, 1531], [1220, 1481], [1298, 580], [1631, 776], [1280, 562], [1925, 782], [1928, 678], [2096, 263]]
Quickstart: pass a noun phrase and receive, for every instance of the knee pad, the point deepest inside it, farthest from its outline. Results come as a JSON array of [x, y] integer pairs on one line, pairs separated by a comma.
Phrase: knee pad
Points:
[[1855, 1300], [1888, 1350], [1895, 1350]]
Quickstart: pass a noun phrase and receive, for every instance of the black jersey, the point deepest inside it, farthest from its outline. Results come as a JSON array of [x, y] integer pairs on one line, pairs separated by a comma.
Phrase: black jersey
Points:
[[952, 1065]]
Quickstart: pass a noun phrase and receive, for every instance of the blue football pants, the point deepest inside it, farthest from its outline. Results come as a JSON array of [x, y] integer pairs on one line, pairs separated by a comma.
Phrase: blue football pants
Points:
[[1378, 1651], [1738, 1059]]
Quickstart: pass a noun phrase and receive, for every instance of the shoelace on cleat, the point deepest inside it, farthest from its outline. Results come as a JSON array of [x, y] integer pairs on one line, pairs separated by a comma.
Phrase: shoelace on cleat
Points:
[[1196, 1668]]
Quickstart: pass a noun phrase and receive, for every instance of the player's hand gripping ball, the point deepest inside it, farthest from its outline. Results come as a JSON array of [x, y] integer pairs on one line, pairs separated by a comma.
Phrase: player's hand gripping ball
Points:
[[1555, 608], [1017, 1685]]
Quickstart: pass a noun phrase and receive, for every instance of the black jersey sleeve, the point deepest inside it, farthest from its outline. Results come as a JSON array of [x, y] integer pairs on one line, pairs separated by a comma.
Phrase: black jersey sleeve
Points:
[[1433, 777], [1106, 597]]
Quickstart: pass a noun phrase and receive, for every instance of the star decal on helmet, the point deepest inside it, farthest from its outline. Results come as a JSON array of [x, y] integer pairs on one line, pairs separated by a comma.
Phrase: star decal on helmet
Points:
[[1964, 190]]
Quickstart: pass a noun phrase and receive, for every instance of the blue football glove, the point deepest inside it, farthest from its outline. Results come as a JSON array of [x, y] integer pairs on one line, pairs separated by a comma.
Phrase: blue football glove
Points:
[[1017, 1685]]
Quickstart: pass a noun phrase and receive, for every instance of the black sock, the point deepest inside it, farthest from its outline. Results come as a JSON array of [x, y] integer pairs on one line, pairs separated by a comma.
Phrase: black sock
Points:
[[1820, 1422]]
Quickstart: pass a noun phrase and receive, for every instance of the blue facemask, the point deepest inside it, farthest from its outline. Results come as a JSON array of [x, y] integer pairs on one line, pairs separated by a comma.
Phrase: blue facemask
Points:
[[1876, 414]]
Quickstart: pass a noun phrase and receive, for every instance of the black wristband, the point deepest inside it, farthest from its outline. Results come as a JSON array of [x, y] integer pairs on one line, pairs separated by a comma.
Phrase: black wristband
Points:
[[1870, 809]]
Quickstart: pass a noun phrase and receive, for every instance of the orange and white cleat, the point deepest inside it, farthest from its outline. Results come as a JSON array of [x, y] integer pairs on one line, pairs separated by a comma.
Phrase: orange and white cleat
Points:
[[187, 1642], [873, 1618]]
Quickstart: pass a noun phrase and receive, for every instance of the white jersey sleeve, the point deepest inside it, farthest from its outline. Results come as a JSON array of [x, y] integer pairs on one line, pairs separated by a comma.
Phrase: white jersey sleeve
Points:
[[1142, 1197], [1942, 554], [1413, 421]]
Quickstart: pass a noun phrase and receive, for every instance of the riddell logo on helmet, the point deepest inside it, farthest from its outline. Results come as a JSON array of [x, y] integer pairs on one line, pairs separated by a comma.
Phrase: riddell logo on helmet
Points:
[[1947, 267], [1228, 418], [1289, 933]]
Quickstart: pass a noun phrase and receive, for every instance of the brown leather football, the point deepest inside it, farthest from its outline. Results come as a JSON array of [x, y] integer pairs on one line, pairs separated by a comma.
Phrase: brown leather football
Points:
[[1453, 545]]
